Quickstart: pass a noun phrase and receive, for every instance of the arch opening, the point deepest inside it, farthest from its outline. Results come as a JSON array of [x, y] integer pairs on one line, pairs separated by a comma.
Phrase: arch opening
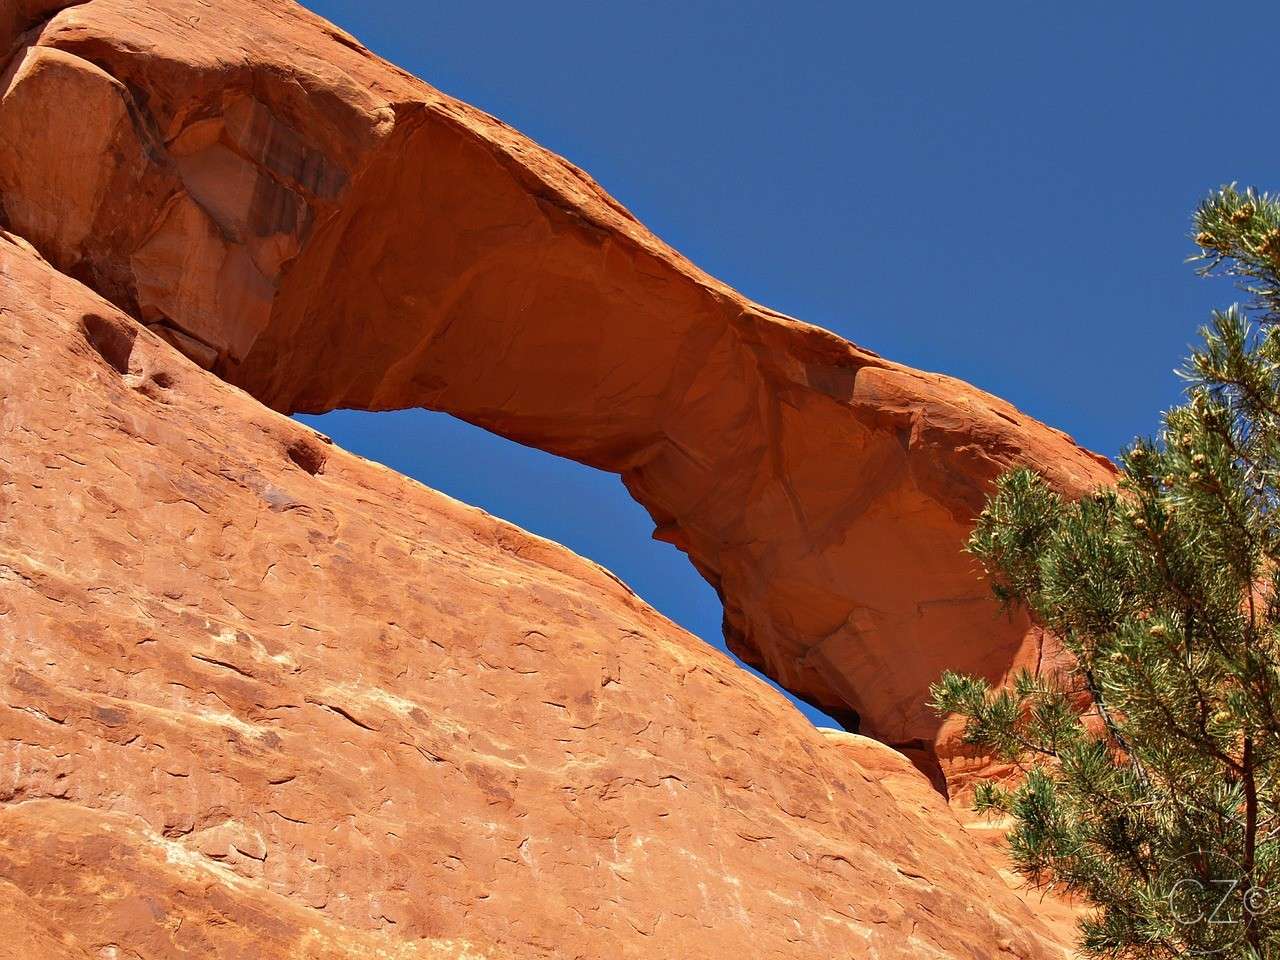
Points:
[[584, 509], [386, 247]]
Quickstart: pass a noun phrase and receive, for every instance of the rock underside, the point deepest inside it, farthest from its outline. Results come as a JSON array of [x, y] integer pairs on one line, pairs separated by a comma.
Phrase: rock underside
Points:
[[260, 697]]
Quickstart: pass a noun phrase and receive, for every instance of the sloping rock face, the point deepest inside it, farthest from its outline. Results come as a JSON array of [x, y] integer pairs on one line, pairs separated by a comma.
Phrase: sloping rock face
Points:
[[326, 231], [261, 698]]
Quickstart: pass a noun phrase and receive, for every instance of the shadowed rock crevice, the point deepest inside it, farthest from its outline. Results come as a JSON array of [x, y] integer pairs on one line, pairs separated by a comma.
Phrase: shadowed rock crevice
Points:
[[110, 339], [307, 455]]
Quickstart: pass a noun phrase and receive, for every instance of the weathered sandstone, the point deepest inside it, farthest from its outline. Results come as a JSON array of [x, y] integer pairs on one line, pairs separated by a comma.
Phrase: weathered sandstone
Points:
[[261, 698], [324, 230]]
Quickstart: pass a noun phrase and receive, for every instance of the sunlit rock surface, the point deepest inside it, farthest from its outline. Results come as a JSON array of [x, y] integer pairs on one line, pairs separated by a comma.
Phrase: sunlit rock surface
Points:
[[326, 231], [262, 698]]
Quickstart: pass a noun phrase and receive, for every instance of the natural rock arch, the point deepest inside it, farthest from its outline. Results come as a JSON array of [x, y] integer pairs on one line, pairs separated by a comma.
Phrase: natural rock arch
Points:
[[342, 235]]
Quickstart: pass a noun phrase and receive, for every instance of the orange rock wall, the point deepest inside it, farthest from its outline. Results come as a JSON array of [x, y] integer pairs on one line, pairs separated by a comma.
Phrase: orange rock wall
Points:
[[327, 231], [261, 698]]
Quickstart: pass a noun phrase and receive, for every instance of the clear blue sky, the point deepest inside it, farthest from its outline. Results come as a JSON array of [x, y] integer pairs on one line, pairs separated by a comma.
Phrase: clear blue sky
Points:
[[1000, 191]]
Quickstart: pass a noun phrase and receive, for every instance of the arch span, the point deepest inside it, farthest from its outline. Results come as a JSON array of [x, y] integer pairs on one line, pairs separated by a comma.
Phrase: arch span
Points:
[[343, 235]]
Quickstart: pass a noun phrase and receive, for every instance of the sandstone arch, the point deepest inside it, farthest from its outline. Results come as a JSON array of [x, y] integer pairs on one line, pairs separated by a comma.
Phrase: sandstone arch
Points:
[[325, 231]]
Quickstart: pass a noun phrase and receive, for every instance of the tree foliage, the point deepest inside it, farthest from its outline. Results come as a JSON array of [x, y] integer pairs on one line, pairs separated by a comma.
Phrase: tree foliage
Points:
[[1149, 773]]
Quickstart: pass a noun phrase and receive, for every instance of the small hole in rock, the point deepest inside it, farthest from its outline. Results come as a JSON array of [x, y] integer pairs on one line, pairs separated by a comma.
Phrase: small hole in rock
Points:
[[306, 456], [847, 717], [112, 339]]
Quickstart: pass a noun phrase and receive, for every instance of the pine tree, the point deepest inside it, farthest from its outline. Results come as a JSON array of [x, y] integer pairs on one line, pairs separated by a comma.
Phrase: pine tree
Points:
[[1148, 778]]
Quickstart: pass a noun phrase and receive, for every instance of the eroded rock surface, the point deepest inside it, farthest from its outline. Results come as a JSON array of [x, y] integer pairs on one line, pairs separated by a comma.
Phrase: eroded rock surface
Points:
[[262, 698], [325, 230]]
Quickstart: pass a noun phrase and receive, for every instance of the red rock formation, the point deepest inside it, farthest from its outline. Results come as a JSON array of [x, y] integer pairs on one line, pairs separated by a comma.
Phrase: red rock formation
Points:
[[262, 698], [325, 230]]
